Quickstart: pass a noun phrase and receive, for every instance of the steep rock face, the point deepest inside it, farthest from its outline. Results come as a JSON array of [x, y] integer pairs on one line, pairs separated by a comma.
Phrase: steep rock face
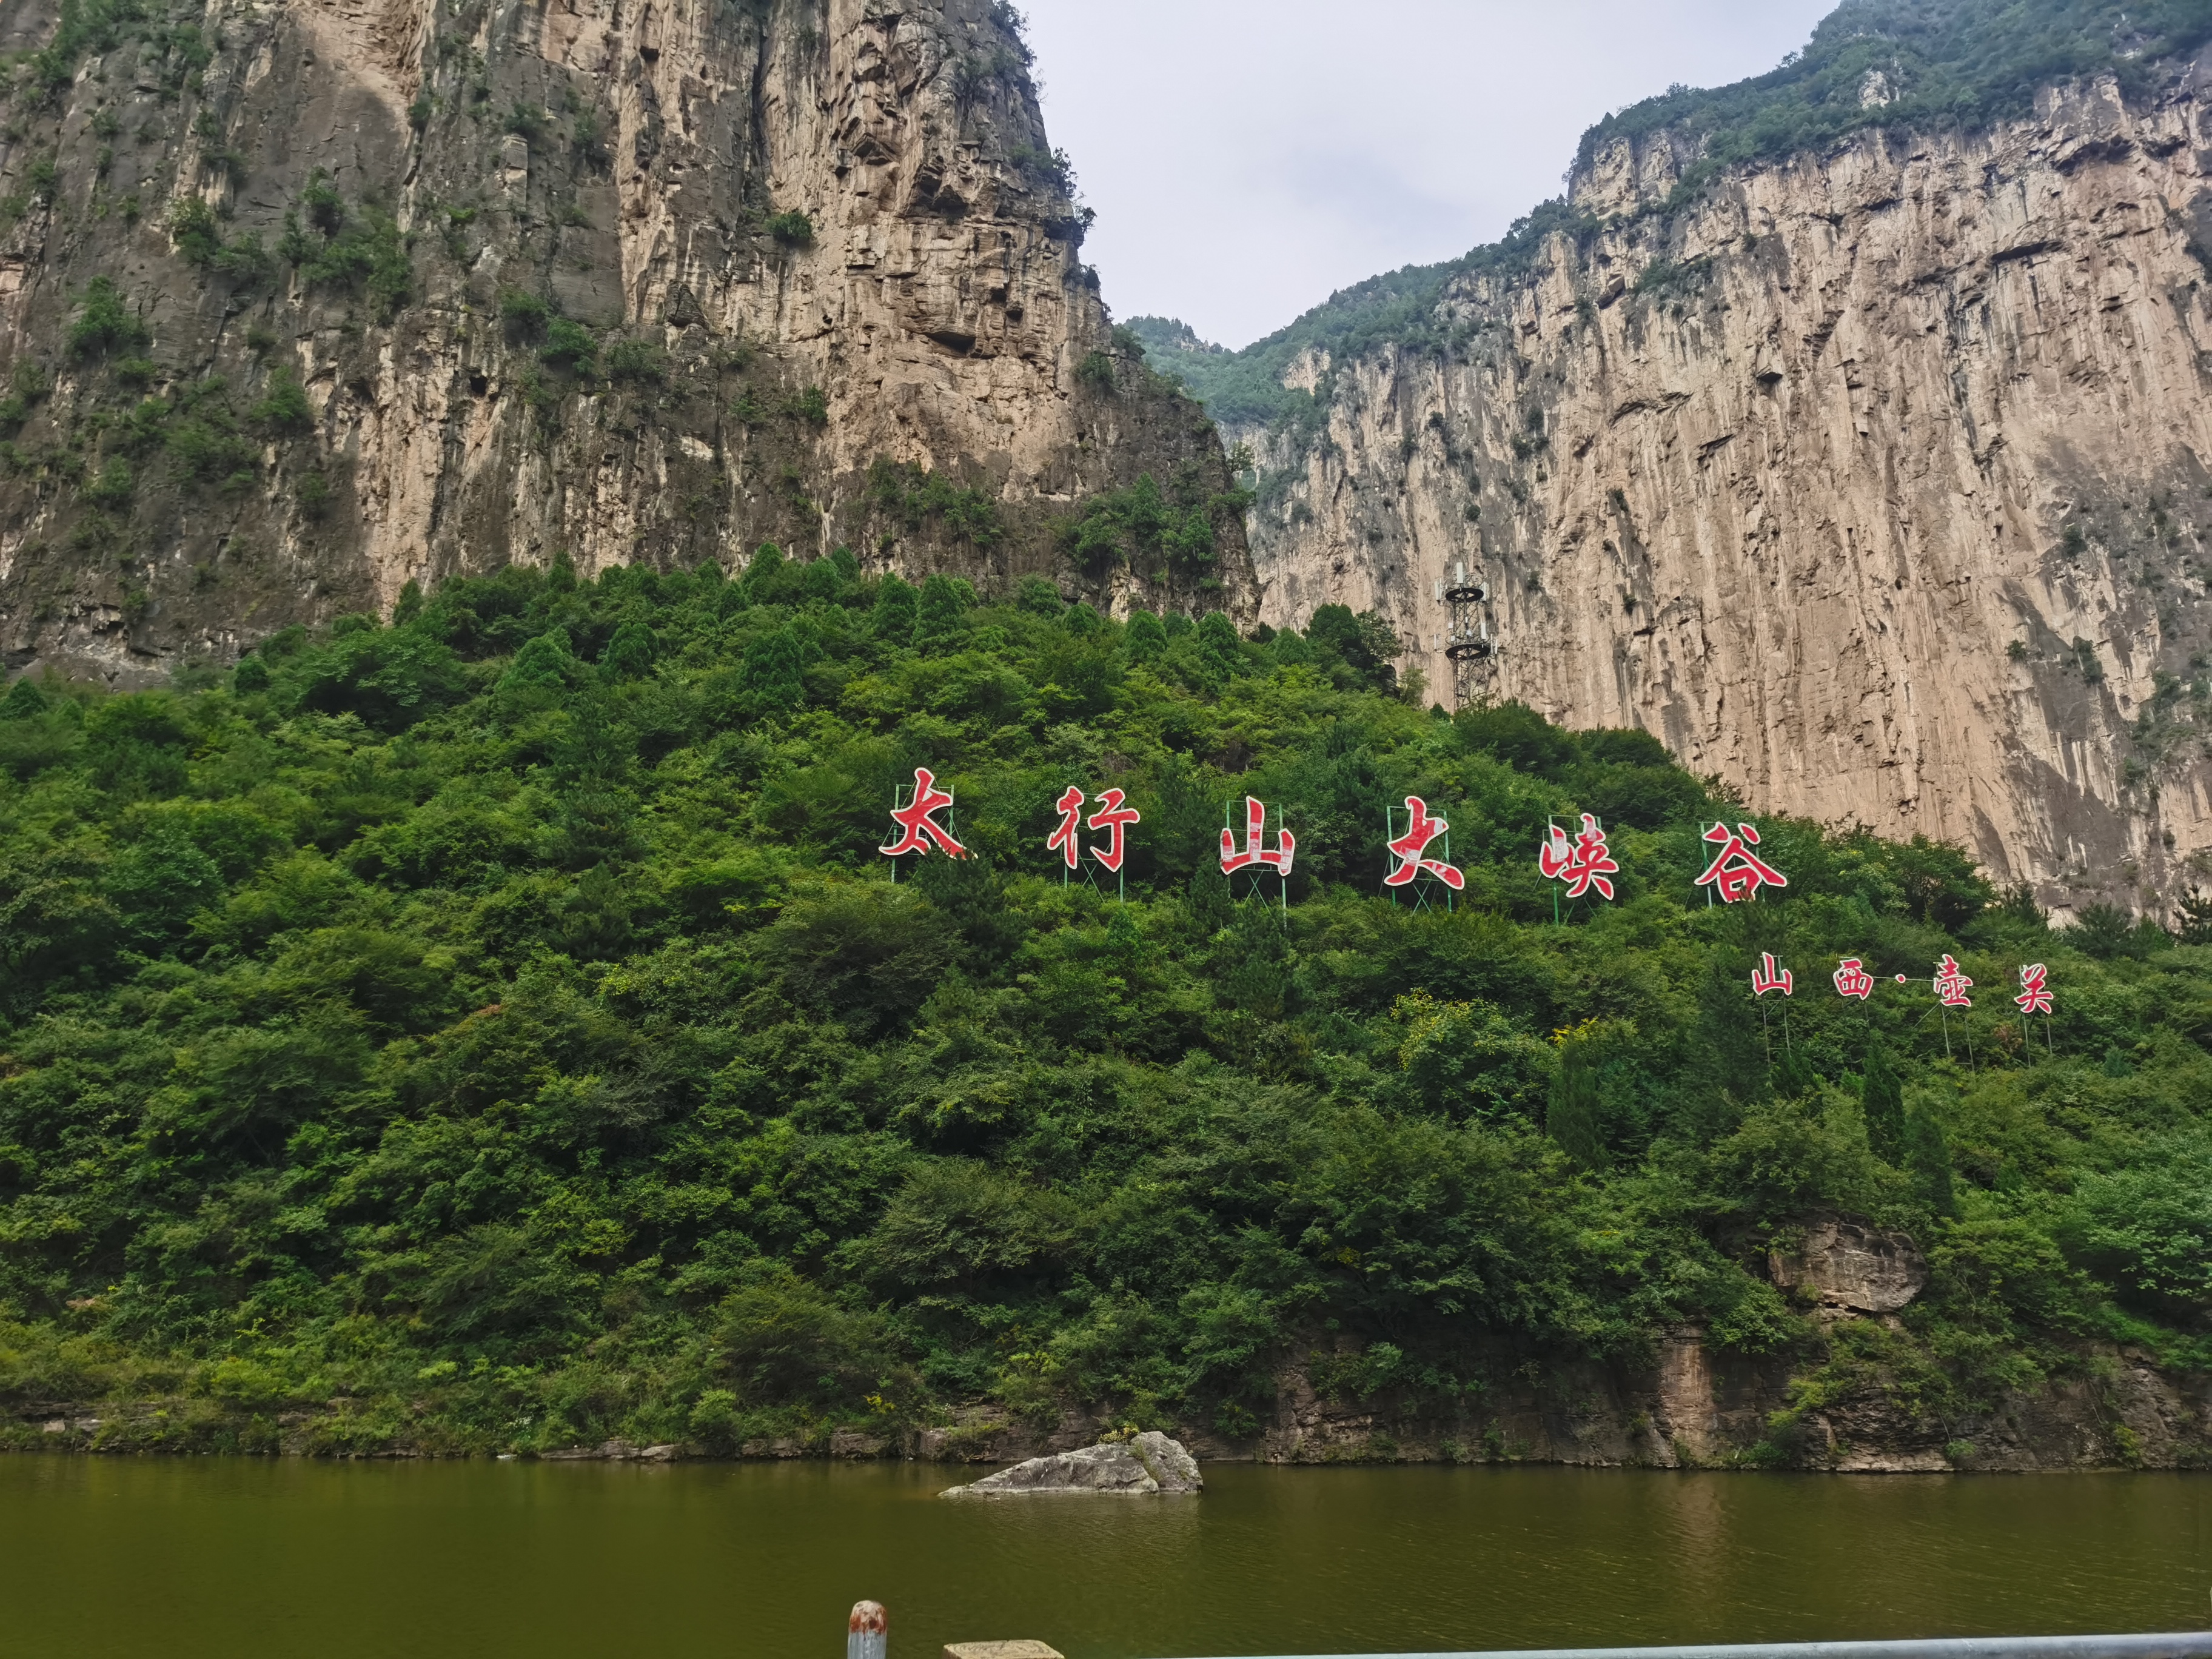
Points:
[[1871, 482], [478, 283]]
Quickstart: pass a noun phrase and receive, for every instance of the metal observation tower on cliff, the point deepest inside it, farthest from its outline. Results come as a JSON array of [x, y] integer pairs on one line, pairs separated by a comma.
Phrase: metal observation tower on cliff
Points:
[[1467, 642]]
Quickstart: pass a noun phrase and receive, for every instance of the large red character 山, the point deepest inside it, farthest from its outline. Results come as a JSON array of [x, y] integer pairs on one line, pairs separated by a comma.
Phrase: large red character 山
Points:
[[1255, 817]]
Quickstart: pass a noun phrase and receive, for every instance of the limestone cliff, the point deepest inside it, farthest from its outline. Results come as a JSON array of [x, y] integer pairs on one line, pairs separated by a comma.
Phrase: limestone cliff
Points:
[[301, 302], [1874, 481]]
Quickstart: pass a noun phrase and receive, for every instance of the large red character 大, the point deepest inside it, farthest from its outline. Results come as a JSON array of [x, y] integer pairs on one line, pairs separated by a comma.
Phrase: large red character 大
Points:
[[1411, 849]]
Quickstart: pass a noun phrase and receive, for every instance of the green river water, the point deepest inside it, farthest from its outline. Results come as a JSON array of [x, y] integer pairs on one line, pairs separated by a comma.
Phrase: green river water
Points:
[[242, 1558]]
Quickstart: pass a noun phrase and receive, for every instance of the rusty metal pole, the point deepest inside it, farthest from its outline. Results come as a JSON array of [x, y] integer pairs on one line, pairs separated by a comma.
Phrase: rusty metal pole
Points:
[[868, 1632]]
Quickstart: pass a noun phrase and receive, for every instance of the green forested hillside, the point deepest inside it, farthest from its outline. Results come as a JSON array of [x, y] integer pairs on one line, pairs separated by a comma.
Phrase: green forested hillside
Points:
[[1964, 61], [496, 1030]]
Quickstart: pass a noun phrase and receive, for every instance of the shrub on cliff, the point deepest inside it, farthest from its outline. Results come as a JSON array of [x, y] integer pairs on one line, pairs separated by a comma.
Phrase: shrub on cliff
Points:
[[505, 1013]]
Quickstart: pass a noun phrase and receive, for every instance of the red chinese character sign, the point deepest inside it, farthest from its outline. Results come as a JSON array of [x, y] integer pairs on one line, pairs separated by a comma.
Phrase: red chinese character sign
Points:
[[1952, 984], [1736, 870], [1113, 817], [1852, 979], [916, 816], [1582, 863], [1063, 839], [1771, 976], [2035, 998], [1409, 853], [1254, 856]]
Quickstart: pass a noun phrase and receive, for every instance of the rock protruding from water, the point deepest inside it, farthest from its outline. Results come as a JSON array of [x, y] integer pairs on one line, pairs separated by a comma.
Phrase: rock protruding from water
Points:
[[1139, 1467]]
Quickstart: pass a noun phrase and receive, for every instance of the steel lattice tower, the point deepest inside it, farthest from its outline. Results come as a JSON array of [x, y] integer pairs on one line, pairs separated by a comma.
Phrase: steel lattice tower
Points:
[[1466, 642]]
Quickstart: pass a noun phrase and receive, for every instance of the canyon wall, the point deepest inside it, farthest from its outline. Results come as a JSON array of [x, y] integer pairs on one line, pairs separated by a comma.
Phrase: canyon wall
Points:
[[1873, 482], [301, 303]]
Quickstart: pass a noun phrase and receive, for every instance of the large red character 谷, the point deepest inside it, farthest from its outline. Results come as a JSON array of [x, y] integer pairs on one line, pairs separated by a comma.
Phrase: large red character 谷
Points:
[[1735, 870]]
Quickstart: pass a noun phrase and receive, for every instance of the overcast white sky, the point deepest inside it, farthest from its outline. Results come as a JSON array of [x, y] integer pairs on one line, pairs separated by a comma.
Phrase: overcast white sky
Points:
[[1249, 157]]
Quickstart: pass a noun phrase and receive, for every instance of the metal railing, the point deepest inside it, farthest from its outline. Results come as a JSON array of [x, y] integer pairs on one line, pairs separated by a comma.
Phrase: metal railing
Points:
[[868, 1636], [2181, 1645]]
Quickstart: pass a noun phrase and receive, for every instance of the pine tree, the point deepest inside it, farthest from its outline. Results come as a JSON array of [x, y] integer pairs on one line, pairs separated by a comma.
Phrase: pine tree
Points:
[[940, 617], [2195, 919], [892, 620], [1883, 1096], [1572, 1120], [1928, 1156]]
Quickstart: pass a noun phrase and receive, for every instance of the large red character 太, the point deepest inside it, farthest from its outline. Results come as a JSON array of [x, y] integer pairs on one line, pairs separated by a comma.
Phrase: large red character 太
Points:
[[916, 824]]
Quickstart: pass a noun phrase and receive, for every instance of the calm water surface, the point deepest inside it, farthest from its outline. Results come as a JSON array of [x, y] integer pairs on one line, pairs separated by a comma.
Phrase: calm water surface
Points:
[[186, 1557]]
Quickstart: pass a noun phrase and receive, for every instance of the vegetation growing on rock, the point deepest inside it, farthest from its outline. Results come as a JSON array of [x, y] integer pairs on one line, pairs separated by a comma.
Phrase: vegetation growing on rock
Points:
[[497, 1030]]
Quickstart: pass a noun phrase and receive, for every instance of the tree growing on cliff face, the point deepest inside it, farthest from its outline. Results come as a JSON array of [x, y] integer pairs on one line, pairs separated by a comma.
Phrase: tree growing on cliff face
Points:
[[1572, 1118], [1882, 1100], [1928, 1157], [502, 1022]]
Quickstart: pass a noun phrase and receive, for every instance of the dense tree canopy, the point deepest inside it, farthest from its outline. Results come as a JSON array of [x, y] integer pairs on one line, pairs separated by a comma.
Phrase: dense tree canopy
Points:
[[497, 1029]]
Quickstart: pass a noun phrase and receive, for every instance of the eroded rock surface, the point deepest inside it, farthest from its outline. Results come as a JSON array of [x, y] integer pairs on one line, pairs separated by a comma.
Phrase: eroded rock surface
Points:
[[807, 245], [1874, 481], [1850, 1265], [1150, 1463]]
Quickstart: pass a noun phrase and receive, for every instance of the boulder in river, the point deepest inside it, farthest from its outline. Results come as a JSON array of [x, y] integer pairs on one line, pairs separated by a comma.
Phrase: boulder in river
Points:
[[1139, 1467]]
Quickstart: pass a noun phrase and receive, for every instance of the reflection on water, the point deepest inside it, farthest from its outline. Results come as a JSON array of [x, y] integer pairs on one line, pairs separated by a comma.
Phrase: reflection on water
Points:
[[209, 1557]]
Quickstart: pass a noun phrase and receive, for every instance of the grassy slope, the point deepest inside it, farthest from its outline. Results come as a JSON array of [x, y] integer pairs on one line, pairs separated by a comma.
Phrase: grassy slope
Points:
[[497, 1031], [1946, 62]]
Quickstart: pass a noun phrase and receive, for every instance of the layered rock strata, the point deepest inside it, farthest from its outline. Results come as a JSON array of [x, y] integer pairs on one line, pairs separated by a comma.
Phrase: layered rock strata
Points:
[[403, 288], [1875, 482]]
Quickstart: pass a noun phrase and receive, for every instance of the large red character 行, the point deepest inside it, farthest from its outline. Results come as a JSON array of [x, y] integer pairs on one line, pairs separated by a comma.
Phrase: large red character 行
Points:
[[1112, 817]]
